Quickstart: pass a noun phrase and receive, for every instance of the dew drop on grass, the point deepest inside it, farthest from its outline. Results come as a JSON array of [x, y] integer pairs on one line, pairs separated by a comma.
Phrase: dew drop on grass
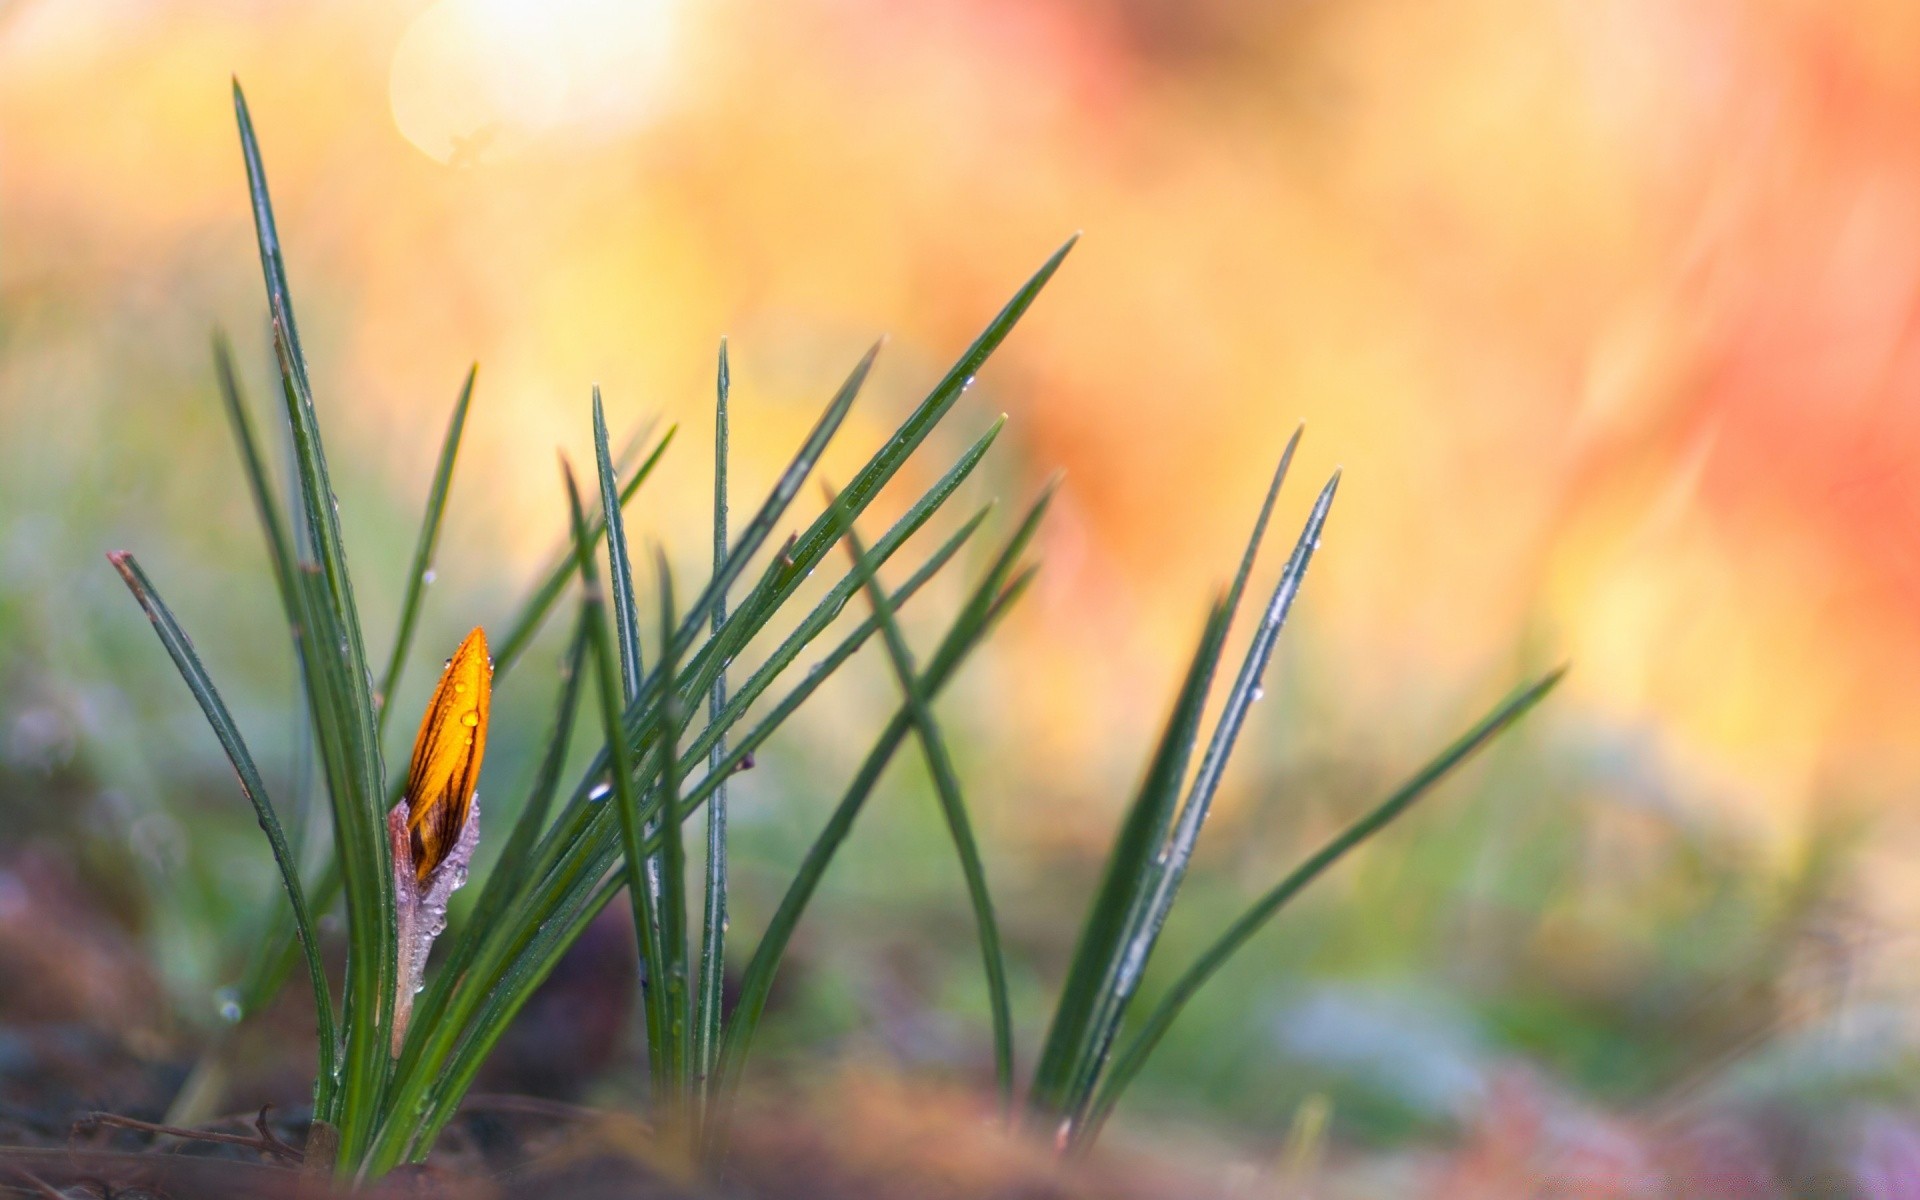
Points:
[[226, 1002], [1259, 694], [471, 719], [599, 792], [429, 575]]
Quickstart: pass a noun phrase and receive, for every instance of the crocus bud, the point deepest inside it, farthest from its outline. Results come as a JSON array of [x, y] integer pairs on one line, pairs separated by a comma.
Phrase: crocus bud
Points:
[[436, 826]]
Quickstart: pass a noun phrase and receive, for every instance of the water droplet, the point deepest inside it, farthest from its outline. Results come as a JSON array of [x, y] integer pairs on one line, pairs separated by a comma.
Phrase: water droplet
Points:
[[226, 1002], [429, 575], [1259, 694], [470, 720], [446, 664], [599, 792], [459, 687], [966, 383]]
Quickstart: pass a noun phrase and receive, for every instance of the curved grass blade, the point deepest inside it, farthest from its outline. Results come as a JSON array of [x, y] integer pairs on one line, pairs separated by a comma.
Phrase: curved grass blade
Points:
[[713, 934], [626, 617], [539, 602], [1068, 1058], [1155, 900], [422, 565], [343, 708], [646, 919], [1128, 1062], [953, 807], [1246, 689], [201, 685], [675, 1054]]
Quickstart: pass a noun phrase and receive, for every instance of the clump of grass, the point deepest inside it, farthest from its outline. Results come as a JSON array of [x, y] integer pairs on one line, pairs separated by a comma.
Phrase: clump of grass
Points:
[[393, 1067]]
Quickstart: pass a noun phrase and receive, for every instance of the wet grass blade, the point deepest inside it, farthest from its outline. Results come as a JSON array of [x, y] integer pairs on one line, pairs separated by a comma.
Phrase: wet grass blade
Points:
[[953, 807], [626, 615], [421, 568], [670, 860], [1128, 1062], [343, 705], [533, 610], [1069, 1057], [201, 685], [713, 933], [1154, 901], [646, 918]]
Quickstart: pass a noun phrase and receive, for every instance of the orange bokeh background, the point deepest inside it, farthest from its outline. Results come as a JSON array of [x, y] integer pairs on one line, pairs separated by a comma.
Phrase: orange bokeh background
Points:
[[1607, 310]]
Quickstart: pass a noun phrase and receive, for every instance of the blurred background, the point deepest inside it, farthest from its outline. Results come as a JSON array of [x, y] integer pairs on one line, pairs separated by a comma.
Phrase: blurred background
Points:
[[1609, 311]]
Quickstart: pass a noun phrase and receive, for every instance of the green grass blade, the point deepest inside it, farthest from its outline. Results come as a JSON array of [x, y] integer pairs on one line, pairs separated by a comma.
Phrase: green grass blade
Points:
[[1088, 999], [626, 613], [713, 934], [1240, 700], [540, 600], [646, 919], [421, 568], [976, 619], [344, 715], [671, 860], [626, 624], [1166, 873], [953, 807], [201, 685], [1128, 1062]]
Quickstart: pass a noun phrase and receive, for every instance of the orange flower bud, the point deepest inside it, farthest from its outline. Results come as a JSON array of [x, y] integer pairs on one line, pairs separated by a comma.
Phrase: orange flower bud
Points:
[[447, 754]]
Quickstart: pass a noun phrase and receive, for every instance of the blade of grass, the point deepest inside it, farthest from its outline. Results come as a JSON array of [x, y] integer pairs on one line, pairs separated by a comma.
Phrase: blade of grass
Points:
[[626, 628], [422, 566], [713, 938], [1233, 717], [1066, 1059], [201, 685], [358, 787], [646, 920], [1128, 1062], [1155, 900], [671, 859], [953, 807], [540, 600]]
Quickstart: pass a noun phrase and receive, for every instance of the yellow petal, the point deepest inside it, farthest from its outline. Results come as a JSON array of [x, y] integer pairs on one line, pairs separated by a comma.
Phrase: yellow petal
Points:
[[447, 753]]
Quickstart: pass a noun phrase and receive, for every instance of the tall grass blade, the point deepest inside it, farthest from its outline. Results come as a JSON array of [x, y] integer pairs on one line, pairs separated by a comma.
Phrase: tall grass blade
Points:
[[953, 807], [713, 934], [201, 685], [1127, 1063], [646, 918], [1164, 875], [676, 1053], [343, 708], [421, 569], [1068, 1058]]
